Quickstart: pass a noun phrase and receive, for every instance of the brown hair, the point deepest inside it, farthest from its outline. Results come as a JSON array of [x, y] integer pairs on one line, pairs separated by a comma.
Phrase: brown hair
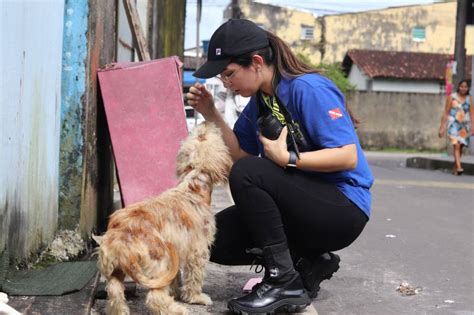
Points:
[[286, 63], [280, 56]]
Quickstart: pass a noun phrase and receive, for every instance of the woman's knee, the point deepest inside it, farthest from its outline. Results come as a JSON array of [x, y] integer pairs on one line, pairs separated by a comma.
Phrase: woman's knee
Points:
[[231, 238], [243, 169]]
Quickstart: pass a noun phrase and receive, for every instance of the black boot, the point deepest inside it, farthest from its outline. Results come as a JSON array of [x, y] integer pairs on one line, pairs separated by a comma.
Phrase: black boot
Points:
[[314, 270], [280, 289]]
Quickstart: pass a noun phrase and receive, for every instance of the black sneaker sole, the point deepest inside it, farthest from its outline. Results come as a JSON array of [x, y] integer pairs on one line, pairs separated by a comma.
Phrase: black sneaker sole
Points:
[[315, 287], [291, 305], [313, 293]]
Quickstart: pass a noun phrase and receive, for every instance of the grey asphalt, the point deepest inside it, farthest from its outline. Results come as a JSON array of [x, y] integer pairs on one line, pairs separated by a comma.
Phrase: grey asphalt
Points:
[[421, 232]]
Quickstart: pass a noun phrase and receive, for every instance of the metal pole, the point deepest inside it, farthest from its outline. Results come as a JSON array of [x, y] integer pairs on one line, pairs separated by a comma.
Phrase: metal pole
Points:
[[459, 47], [471, 149], [198, 22]]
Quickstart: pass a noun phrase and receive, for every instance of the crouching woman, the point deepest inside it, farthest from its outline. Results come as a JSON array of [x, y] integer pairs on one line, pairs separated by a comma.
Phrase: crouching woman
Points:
[[300, 181]]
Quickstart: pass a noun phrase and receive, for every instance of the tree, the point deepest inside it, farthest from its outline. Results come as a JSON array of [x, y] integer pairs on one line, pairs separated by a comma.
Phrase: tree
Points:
[[333, 72]]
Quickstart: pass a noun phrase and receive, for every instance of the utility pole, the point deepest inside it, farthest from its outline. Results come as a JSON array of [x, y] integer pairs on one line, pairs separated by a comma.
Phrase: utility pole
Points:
[[166, 20], [459, 46], [198, 44], [198, 25], [470, 21]]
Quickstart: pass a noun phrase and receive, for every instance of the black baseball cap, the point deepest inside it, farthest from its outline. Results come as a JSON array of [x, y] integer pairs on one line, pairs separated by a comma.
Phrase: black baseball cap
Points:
[[232, 39]]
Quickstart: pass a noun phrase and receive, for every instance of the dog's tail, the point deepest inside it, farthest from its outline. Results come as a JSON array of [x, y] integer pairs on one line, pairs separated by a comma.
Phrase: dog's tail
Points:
[[115, 254], [135, 271]]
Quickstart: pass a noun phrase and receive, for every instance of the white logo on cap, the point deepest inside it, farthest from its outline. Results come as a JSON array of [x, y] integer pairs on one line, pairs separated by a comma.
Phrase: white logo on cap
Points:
[[218, 51]]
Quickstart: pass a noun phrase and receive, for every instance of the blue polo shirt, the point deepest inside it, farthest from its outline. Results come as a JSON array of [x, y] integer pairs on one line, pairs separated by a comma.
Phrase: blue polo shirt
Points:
[[317, 105]]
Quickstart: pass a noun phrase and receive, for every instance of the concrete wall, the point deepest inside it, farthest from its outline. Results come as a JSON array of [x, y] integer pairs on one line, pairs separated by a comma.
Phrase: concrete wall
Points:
[[286, 23], [388, 29], [391, 29], [399, 120], [30, 102], [406, 86]]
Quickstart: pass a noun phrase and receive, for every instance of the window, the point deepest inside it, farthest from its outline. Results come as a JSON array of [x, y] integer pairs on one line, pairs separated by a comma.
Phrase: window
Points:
[[306, 32], [418, 34]]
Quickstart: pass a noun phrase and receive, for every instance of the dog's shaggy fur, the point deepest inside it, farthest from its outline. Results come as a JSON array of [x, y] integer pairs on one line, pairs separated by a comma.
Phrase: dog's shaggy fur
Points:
[[150, 241]]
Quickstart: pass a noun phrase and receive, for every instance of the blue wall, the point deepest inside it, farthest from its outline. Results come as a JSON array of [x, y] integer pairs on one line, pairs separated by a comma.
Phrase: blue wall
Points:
[[72, 111]]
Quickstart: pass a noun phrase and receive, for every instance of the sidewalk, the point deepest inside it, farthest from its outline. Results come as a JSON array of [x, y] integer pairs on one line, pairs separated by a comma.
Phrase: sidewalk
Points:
[[222, 283], [444, 162], [428, 161]]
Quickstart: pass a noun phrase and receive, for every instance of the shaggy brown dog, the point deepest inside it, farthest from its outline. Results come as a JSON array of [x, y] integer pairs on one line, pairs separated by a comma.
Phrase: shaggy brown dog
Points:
[[151, 240]]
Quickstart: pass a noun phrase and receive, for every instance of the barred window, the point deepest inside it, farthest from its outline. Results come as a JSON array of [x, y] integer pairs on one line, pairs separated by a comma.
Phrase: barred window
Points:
[[307, 32]]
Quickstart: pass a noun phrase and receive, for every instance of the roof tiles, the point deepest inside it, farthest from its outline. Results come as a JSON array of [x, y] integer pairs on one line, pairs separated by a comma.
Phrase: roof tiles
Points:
[[401, 65]]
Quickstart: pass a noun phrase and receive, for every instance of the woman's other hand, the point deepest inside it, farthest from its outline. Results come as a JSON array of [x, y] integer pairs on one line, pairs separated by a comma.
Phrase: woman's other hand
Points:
[[201, 100], [441, 131], [276, 150]]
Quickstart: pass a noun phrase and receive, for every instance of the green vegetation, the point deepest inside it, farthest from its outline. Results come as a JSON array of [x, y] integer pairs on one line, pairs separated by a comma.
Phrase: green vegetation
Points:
[[44, 262], [333, 72]]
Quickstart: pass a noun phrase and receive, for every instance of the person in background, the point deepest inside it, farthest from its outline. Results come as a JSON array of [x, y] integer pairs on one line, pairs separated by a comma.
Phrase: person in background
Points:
[[456, 119], [300, 180], [229, 104]]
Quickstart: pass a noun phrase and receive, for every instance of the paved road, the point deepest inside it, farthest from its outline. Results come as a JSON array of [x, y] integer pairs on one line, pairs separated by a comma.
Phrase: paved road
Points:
[[421, 232]]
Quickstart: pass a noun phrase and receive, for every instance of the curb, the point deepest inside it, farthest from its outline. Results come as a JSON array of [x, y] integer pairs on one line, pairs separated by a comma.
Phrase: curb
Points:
[[435, 164]]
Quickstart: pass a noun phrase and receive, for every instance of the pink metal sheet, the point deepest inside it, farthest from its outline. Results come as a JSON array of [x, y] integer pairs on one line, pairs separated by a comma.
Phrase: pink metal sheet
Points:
[[145, 113]]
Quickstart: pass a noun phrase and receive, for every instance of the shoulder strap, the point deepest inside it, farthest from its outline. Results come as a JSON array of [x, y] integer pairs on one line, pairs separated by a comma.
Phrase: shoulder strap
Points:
[[294, 131]]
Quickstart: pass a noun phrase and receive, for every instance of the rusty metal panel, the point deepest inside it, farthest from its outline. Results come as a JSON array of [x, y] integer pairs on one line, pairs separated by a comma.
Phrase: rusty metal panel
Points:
[[29, 116], [145, 113]]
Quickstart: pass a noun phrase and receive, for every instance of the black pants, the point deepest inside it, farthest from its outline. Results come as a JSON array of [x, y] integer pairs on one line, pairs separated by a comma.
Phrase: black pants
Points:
[[275, 205]]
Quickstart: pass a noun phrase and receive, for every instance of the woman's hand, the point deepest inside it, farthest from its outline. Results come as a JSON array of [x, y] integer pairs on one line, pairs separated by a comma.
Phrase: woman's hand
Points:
[[201, 100], [276, 150], [441, 131]]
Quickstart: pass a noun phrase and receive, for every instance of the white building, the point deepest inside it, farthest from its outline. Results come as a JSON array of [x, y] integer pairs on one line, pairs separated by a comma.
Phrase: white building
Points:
[[392, 71]]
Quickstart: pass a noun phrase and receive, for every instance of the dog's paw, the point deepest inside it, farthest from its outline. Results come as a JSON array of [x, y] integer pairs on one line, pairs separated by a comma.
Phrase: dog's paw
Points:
[[177, 309], [202, 299]]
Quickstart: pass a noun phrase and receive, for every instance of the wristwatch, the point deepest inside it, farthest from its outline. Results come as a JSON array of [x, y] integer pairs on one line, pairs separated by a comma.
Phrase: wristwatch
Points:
[[292, 159]]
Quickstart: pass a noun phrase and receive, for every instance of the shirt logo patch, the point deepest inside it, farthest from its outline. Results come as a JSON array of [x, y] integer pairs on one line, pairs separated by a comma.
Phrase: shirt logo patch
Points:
[[218, 52], [335, 113]]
